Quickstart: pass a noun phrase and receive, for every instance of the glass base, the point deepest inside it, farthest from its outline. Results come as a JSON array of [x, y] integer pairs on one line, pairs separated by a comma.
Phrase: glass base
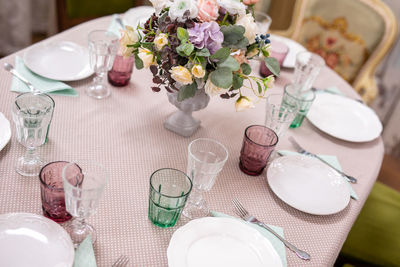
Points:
[[198, 210], [78, 232], [98, 91], [29, 167]]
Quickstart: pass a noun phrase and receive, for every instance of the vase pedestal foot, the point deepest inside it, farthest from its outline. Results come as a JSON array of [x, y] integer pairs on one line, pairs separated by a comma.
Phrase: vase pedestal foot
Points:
[[182, 123]]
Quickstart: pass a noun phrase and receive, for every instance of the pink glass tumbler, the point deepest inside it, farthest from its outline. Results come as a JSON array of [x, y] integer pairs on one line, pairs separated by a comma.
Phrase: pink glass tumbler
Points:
[[279, 51], [258, 143], [52, 191], [120, 74]]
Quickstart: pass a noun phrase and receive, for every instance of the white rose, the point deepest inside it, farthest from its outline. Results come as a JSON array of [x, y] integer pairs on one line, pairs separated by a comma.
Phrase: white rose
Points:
[[247, 21], [243, 103], [160, 41], [160, 5], [198, 71], [181, 75], [233, 6], [179, 7], [213, 90], [147, 57], [129, 37]]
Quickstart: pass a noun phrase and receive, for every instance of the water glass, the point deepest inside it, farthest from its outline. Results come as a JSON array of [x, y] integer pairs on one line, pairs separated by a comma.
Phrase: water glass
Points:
[[263, 22], [52, 191], [303, 99], [258, 144], [307, 68], [83, 191], [103, 47], [279, 51], [278, 117], [169, 190], [120, 74], [206, 158], [32, 113]]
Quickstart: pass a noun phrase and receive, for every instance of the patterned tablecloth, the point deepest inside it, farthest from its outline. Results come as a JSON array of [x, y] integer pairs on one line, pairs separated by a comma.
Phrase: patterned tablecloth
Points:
[[125, 133]]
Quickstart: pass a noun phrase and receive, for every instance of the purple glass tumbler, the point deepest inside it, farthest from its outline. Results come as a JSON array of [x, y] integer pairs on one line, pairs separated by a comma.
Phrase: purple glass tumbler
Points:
[[279, 51], [120, 74], [52, 191], [258, 143]]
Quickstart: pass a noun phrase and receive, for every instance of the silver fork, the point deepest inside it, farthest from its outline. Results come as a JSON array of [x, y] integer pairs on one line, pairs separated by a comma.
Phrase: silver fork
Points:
[[305, 152], [245, 215], [122, 261]]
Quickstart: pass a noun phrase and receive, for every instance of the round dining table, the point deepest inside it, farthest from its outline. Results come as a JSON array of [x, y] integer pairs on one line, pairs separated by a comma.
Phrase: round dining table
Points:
[[125, 133]]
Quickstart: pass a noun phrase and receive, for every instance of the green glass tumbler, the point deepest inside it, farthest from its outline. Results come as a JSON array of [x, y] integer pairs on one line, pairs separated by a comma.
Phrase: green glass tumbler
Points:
[[303, 99], [169, 190]]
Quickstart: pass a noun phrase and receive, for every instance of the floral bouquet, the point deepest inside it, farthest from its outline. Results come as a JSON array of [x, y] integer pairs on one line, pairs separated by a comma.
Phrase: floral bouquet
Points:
[[190, 45]]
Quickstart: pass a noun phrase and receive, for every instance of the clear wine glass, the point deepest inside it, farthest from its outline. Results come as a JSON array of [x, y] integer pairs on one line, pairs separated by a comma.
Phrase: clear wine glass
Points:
[[83, 186], [206, 158], [103, 46], [32, 113]]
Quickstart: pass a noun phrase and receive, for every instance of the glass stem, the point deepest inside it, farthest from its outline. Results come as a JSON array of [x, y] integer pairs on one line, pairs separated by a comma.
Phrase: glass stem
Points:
[[79, 224], [30, 154], [196, 196]]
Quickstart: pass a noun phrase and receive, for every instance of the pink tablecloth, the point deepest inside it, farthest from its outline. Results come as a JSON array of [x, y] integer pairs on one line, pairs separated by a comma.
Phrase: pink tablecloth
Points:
[[125, 133]]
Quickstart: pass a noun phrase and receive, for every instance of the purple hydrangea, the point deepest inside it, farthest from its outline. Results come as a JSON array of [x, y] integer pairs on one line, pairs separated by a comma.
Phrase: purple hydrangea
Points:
[[206, 34]]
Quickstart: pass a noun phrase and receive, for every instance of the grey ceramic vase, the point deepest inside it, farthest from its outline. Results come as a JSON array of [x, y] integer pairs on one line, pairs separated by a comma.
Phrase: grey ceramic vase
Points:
[[181, 121]]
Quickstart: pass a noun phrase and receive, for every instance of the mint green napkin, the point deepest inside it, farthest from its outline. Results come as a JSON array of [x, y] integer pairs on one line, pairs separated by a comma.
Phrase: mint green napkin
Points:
[[333, 90], [114, 26], [84, 254], [41, 83], [276, 243], [331, 160]]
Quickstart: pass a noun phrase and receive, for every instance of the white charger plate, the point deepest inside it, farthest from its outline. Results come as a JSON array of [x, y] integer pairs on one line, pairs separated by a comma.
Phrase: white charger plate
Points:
[[344, 118], [137, 15], [220, 242], [294, 48], [32, 240], [308, 185], [62, 60], [5, 131]]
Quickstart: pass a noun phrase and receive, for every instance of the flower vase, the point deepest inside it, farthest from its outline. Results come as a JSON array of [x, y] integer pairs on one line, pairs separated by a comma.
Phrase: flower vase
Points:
[[181, 121]]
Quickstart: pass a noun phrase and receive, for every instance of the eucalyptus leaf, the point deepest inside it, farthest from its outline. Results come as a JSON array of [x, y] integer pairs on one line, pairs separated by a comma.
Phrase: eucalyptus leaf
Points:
[[182, 34], [138, 62], [246, 69], [203, 53], [185, 49], [273, 65], [230, 63], [234, 36], [187, 91], [222, 77], [237, 81], [221, 54]]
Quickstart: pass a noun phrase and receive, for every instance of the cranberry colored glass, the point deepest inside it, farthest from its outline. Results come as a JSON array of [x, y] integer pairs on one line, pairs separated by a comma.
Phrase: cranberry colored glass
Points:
[[120, 74], [52, 191], [279, 51], [258, 143]]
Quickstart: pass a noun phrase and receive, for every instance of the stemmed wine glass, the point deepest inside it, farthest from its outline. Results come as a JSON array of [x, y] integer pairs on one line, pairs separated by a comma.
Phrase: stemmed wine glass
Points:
[[103, 46], [206, 158], [83, 186], [32, 113]]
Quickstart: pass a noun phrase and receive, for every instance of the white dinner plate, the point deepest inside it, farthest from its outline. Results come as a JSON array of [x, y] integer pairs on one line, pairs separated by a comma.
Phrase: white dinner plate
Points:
[[5, 131], [137, 15], [31, 240], [220, 242], [62, 60], [294, 48], [344, 118], [308, 185]]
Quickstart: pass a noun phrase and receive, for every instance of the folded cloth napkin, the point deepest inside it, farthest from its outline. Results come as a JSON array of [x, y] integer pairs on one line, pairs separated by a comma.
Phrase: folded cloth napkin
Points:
[[276, 243], [332, 160], [84, 254], [332, 90], [114, 26], [43, 84]]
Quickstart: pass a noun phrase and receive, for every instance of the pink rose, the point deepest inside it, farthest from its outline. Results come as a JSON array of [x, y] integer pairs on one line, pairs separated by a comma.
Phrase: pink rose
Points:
[[208, 10], [250, 2]]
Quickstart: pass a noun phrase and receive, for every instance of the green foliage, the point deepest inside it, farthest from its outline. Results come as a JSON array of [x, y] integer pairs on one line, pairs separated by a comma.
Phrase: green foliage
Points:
[[234, 36], [230, 63], [138, 62], [246, 69], [273, 65], [187, 91], [237, 81], [182, 34], [203, 53], [185, 49], [221, 54], [222, 77]]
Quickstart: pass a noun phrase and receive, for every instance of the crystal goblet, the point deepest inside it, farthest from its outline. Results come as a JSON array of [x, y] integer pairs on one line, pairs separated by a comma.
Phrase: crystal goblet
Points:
[[83, 186], [103, 47], [206, 158], [32, 113]]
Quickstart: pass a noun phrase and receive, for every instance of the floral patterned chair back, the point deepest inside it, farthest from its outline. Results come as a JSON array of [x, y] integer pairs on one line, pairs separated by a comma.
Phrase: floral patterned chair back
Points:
[[352, 36]]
